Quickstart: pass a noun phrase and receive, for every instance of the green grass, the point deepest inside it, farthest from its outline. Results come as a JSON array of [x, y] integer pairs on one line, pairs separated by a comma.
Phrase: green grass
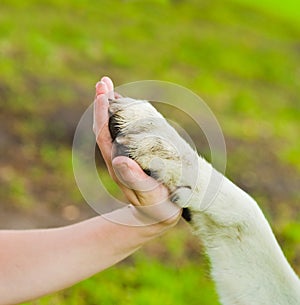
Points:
[[242, 57], [287, 10], [146, 282], [243, 62]]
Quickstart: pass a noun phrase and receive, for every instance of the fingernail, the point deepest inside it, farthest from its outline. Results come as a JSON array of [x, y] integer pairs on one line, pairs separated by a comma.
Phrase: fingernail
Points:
[[98, 84], [121, 166], [121, 169], [101, 88]]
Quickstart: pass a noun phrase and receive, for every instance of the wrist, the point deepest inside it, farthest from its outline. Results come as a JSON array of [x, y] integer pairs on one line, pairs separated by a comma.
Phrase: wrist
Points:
[[149, 221]]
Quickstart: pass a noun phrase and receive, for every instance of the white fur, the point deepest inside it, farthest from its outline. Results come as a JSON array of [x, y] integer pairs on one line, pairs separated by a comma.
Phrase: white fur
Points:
[[248, 265]]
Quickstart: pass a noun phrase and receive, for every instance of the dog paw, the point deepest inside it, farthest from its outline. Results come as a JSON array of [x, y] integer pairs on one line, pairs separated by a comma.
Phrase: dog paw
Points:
[[140, 132]]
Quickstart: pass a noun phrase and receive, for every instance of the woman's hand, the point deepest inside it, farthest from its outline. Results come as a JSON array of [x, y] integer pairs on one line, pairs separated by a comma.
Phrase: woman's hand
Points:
[[125, 171]]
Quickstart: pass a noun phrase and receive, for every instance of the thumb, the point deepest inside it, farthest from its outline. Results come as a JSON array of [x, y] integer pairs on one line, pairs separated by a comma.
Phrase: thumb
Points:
[[132, 176]]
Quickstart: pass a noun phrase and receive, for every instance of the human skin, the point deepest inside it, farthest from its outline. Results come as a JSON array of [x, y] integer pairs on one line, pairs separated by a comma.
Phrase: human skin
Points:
[[34, 263]]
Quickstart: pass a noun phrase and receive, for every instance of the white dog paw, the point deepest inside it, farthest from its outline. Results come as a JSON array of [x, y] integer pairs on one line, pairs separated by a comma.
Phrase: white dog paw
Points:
[[140, 132]]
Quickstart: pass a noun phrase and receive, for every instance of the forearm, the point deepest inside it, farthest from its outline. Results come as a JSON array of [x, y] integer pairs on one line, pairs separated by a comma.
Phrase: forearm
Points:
[[246, 260], [37, 262]]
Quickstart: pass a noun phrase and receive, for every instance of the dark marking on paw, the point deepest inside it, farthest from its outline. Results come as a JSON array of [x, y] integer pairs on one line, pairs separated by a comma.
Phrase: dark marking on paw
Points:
[[120, 150], [115, 131], [147, 172], [186, 214], [113, 126], [151, 173]]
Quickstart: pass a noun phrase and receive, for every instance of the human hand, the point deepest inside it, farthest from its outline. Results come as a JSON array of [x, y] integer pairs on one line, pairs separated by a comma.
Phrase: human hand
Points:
[[139, 188]]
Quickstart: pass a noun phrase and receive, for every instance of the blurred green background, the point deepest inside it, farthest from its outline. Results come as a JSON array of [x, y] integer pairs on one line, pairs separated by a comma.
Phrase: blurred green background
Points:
[[241, 57]]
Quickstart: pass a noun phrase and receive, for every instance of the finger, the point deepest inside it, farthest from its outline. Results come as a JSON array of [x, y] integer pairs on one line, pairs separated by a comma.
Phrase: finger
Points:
[[147, 189], [101, 88], [110, 87], [101, 105], [108, 82], [101, 130], [130, 195], [132, 176], [154, 201]]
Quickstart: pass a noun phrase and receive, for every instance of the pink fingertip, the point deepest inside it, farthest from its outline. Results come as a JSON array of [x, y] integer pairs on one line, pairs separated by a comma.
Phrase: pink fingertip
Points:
[[101, 88], [108, 82]]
